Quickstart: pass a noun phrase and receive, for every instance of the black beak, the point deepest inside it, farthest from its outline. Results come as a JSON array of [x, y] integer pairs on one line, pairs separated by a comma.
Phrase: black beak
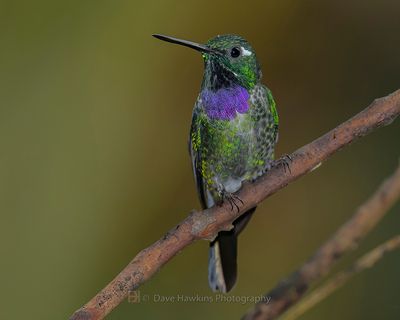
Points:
[[190, 44]]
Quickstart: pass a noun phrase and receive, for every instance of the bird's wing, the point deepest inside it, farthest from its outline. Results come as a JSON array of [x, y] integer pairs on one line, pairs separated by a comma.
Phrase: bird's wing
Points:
[[195, 151], [274, 112]]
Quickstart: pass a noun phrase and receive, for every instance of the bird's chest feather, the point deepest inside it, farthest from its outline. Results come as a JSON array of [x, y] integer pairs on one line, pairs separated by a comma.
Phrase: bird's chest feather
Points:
[[229, 141], [228, 145], [227, 148], [228, 123], [225, 103]]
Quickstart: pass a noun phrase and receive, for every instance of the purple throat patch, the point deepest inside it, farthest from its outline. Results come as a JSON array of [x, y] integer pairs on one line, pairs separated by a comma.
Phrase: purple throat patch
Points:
[[224, 103]]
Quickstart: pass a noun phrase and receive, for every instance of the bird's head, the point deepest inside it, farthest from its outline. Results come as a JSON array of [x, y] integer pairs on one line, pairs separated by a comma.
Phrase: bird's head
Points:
[[229, 61]]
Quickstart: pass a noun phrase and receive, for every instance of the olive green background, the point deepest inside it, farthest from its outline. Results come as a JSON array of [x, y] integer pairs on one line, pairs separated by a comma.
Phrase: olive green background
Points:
[[94, 119]]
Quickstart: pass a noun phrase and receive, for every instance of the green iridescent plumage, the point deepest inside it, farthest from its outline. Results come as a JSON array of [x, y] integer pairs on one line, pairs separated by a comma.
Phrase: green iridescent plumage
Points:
[[232, 138], [232, 151], [226, 152]]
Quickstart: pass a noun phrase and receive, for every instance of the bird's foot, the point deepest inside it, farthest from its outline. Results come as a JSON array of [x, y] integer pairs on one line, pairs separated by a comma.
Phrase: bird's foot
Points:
[[285, 162], [232, 198]]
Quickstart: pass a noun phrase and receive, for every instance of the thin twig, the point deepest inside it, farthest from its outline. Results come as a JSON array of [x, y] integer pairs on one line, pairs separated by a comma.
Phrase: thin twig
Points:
[[290, 290], [206, 224], [319, 294]]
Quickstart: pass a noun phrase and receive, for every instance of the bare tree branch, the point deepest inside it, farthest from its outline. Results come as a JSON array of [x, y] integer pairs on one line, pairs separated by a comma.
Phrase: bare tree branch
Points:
[[206, 224], [290, 290], [366, 261]]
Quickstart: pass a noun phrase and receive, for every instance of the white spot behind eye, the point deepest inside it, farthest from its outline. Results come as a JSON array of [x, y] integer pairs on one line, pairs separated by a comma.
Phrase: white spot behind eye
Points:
[[246, 52]]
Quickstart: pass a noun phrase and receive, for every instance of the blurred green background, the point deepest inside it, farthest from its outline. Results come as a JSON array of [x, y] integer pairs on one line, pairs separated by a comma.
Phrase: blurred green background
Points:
[[94, 120]]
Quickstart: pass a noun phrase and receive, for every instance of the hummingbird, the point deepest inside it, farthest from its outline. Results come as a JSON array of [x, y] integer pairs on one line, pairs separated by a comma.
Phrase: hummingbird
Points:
[[232, 138]]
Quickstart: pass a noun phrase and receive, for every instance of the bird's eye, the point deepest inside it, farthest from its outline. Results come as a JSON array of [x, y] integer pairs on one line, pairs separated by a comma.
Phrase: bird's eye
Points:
[[235, 52]]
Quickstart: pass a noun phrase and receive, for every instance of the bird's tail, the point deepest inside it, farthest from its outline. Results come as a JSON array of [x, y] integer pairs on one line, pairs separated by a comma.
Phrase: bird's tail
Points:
[[222, 265]]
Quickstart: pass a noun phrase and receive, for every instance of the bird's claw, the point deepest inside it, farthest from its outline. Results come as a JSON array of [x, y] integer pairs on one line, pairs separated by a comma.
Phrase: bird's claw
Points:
[[233, 200], [284, 162]]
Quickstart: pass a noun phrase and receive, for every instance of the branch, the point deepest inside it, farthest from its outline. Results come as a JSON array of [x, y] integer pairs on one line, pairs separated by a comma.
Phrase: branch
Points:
[[365, 262], [290, 290], [206, 224]]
